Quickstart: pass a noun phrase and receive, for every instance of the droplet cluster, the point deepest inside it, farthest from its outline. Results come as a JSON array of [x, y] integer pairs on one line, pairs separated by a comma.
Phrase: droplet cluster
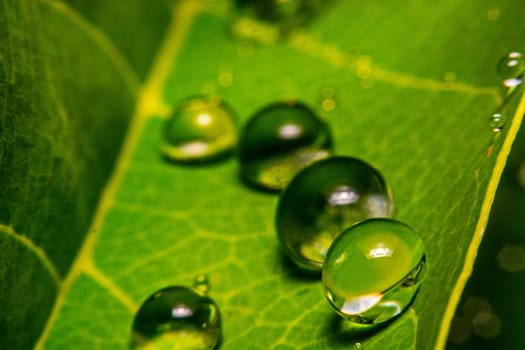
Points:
[[333, 215], [511, 69]]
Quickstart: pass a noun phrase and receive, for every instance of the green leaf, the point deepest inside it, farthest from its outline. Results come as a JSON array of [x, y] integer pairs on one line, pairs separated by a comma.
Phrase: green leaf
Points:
[[136, 28], [66, 97], [413, 99], [498, 277]]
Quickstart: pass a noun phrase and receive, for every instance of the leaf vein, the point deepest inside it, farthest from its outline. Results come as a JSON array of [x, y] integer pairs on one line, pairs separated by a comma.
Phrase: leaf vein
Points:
[[36, 250]]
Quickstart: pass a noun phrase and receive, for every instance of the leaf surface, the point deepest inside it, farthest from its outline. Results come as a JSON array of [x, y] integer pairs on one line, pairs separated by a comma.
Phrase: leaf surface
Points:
[[59, 137], [413, 99]]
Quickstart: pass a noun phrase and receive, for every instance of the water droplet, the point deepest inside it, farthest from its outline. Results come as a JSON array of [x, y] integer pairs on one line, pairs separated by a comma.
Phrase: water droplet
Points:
[[460, 330], [278, 141], [177, 318], [373, 270], [323, 200], [328, 101], [511, 258], [511, 69], [200, 129], [202, 284], [497, 121], [283, 16]]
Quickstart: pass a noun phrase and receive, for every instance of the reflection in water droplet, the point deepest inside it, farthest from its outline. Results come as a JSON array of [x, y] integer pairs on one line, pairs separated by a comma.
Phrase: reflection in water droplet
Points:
[[511, 258], [323, 200], [369, 288], [200, 129], [177, 318], [460, 330], [278, 141], [497, 121], [511, 69]]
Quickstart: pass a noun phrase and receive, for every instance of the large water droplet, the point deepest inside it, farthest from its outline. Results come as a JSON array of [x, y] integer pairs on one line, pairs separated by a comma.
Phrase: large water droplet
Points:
[[323, 200], [177, 318], [278, 141], [200, 129], [277, 18], [511, 69], [373, 270], [285, 12]]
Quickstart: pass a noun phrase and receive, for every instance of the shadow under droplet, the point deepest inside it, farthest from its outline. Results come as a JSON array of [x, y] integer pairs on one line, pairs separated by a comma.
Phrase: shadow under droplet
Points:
[[293, 272], [343, 332], [217, 159], [253, 187]]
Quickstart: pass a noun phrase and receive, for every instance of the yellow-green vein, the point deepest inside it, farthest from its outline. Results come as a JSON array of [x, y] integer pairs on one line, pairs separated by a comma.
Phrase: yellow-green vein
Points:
[[39, 252], [480, 227], [150, 100], [121, 64]]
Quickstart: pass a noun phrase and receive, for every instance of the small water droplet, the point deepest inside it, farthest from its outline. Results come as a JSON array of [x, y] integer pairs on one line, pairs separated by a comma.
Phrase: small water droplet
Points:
[[497, 121], [200, 129], [328, 101], [323, 200], [511, 258], [460, 330], [511, 69], [279, 140], [176, 317], [202, 284], [373, 270]]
